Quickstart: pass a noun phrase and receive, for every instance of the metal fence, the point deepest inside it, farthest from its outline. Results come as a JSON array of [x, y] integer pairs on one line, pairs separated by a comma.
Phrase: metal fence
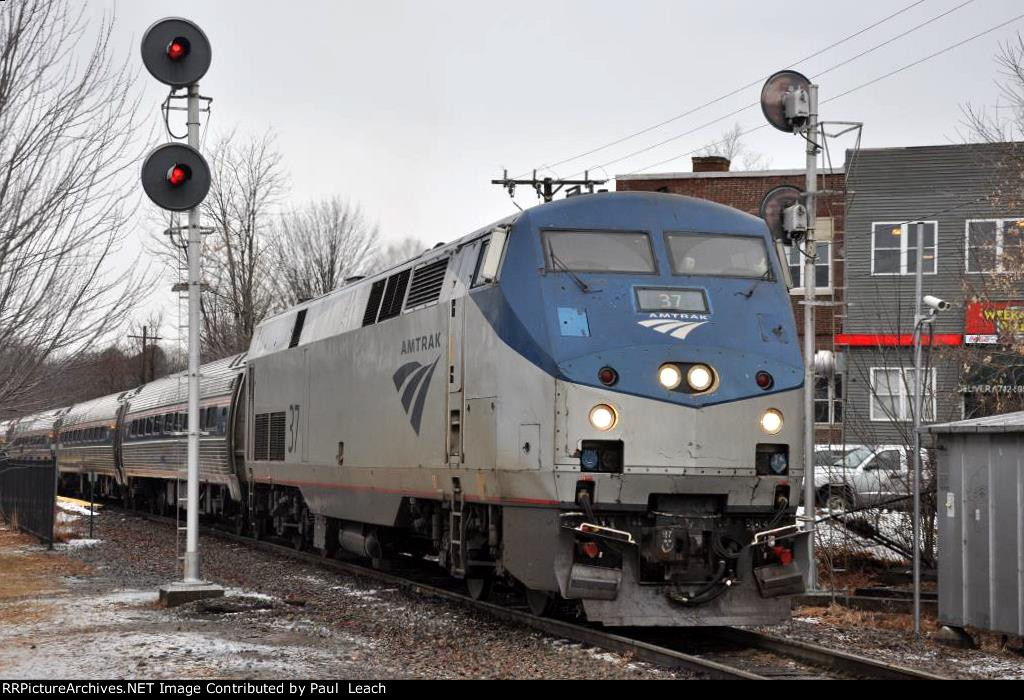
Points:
[[28, 496]]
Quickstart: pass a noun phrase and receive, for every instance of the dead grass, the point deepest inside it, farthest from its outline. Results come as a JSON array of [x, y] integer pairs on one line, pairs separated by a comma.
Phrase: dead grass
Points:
[[866, 619], [27, 571]]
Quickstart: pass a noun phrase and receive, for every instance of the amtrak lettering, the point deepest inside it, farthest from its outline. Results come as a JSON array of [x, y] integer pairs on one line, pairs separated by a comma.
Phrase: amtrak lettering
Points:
[[424, 342], [416, 380], [675, 325]]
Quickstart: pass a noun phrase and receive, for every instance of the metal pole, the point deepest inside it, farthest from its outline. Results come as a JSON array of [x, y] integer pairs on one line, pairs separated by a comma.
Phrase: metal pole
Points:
[[92, 500], [192, 569], [810, 261], [918, 396]]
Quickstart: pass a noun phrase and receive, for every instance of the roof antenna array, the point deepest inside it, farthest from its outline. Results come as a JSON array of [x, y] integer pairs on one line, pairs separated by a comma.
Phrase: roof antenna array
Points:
[[546, 188]]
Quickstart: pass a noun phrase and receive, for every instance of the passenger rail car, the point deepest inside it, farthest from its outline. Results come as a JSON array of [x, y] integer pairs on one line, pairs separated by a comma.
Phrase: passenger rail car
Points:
[[599, 398], [87, 443], [154, 436], [33, 437]]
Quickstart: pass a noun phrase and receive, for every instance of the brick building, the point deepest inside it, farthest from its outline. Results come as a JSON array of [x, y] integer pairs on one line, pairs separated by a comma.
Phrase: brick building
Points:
[[711, 179]]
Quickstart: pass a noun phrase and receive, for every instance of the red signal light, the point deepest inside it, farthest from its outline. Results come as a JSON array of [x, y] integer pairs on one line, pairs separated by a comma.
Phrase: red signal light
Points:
[[591, 549], [765, 380], [608, 376], [177, 175], [785, 556], [178, 49]]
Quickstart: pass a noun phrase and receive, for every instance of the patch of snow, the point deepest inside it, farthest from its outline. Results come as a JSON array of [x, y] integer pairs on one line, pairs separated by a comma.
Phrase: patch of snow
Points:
[[76, 544], [74, 508]]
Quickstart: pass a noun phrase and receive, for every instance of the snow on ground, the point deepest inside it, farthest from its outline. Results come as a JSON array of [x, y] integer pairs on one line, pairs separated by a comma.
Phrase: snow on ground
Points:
[[72, 507], [76, 544]]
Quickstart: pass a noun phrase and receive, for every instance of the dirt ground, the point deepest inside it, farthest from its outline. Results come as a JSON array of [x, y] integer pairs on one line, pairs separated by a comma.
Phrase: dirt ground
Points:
[[89, 610]]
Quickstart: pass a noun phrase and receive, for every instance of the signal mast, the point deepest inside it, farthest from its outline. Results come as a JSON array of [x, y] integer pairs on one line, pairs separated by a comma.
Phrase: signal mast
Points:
[[177, 178]]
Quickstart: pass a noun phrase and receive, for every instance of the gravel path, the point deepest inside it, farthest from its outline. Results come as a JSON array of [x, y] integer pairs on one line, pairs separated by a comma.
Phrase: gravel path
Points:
[[879, 636], [358, 628]]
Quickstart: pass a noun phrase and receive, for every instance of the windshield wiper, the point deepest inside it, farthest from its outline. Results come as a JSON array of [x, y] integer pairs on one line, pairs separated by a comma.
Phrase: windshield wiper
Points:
[[565, 268], [763, 278]]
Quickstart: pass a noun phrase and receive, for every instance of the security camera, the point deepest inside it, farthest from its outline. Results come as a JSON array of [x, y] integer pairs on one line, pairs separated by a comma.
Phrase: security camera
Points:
[[935, 303]]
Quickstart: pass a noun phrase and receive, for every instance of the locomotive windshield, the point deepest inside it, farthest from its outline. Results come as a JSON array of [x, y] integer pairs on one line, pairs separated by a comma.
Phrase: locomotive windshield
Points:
[[719, 256], [598, 251]]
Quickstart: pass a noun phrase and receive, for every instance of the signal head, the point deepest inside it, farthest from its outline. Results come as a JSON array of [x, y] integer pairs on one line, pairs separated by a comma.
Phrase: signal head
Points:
[[785, 100], [779, 209], [176, 177], [176, 52]]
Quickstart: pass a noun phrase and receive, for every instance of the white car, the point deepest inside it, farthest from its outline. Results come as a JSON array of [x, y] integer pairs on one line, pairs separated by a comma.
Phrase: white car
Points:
[[854, 476]]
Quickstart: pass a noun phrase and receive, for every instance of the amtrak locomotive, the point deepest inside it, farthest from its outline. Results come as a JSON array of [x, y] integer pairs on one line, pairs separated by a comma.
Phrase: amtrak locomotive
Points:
[[599, 398]]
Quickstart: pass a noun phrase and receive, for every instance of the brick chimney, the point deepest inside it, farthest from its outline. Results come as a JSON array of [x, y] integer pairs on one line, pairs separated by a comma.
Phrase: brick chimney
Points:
[[710, 164]]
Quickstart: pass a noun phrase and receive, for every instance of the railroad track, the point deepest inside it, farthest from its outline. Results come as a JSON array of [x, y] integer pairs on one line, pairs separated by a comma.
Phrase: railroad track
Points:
[[719, 653]]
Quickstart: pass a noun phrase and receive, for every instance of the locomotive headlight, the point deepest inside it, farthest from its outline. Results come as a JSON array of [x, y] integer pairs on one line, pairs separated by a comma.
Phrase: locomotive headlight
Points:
[[700, 378], [669, 376], [771, 421], [603, 417]]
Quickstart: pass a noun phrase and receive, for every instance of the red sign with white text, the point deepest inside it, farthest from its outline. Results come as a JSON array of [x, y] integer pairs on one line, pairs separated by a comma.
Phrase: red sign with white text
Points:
[[992, 322]]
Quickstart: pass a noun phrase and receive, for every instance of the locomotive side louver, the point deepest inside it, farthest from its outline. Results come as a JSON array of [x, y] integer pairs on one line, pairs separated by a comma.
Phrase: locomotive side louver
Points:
[[394, 295], [373, 304], [277, 425], [261, 437], [427, 281]]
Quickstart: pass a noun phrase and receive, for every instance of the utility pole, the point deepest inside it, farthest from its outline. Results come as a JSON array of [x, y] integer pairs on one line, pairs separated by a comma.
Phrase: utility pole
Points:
[[919, 321], [177, 178], [195, 242], [810, 273], [546, 188], [145, 376]]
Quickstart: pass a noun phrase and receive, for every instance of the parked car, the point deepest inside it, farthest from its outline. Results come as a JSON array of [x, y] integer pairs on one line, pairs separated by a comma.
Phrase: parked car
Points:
[[855, 476]]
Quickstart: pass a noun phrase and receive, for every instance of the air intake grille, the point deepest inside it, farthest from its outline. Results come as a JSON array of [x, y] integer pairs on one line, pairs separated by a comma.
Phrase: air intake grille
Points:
[[268, 437], [261, 437], [394, 295], [426, 283], [373, 304], [277, 423]]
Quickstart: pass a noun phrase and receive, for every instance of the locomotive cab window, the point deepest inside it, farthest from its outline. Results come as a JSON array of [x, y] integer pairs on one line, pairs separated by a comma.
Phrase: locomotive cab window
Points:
[[703, 254], [599, 251]]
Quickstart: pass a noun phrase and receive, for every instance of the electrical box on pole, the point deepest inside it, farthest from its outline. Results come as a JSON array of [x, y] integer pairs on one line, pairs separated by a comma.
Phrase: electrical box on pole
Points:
[[177, 178]]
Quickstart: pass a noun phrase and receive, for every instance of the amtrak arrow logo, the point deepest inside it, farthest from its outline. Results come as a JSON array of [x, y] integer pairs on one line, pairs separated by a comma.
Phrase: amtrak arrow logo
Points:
[[672, 327], [416, 380]]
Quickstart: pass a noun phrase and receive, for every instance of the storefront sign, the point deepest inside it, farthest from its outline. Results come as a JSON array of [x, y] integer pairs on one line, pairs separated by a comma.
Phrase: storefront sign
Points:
[[992, 322]]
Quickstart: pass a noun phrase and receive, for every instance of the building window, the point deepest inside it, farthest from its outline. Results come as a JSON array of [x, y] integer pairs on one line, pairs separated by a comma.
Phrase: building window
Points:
[[828, 400], [823, 268], [892, 394], [994, 245], [894, 248]]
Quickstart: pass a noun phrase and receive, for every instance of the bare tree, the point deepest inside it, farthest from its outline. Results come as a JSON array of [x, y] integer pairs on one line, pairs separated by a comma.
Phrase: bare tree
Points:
[[248, 183], [315, 248], [730, 146], [1002, 123], [397, 253], [67, 171]]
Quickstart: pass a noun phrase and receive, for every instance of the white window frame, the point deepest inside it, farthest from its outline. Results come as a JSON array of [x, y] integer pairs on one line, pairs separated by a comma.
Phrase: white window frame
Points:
[[832, 400], [905, 412], [999, 244], [799, 280], [904, 247]]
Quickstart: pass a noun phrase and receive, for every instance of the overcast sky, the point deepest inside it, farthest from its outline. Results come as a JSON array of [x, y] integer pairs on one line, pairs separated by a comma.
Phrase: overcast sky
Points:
[[410, 108]]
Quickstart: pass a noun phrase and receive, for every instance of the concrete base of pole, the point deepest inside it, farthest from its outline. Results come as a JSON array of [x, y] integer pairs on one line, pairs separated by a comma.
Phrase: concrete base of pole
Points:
[[180, 592], [955, 637]]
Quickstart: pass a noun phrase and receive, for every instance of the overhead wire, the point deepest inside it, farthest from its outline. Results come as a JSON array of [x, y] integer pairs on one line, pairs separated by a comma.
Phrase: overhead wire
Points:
[[873, 81], [729, 94]]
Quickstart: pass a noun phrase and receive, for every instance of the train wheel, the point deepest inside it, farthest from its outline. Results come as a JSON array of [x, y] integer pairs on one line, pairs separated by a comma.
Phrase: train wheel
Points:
[[541, 602], [479, 587]]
